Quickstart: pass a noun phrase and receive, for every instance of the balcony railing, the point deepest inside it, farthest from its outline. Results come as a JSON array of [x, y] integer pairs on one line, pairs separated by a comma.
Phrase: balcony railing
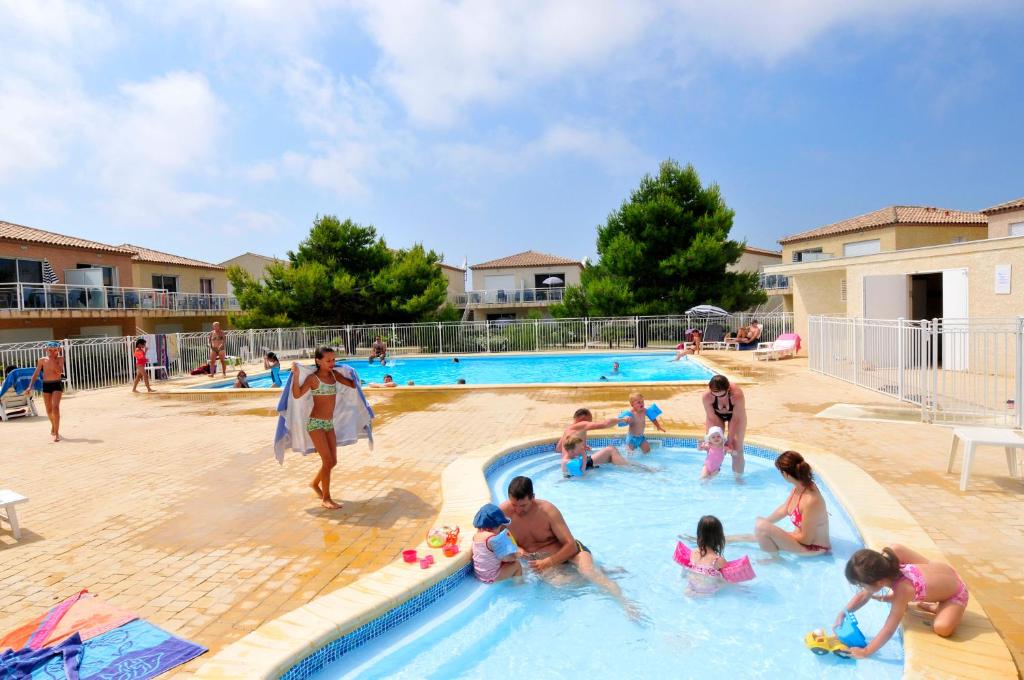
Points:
[[508, 297], [774, 282], [42, 296]]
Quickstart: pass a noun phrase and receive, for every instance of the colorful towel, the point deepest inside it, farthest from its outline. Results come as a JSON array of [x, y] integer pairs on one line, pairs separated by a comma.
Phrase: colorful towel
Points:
[[82, 613], [136, 650], [17, 380]]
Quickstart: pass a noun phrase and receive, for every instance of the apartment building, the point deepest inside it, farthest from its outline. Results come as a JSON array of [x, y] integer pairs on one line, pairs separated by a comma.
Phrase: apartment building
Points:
[[512, 287]]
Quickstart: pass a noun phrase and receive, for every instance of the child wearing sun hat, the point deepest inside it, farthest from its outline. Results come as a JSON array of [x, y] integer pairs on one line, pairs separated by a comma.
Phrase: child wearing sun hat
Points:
[[494, 550]]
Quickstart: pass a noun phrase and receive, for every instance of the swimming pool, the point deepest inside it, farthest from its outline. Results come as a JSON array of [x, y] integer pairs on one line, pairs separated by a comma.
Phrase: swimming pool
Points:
[[519, 369], [629, 520]]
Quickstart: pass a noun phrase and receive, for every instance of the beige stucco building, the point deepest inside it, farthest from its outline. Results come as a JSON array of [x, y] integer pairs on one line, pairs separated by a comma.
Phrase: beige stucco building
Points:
[[755, 260], [252, 263], [512, 287], [926, 263]]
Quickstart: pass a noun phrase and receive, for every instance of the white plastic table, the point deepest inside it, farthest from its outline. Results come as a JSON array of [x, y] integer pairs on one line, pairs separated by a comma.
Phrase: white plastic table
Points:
[[987, 436], [8, 499]]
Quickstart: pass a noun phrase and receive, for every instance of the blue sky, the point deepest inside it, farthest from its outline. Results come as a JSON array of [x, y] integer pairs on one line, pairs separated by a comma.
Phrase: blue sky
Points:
[[483, 129]]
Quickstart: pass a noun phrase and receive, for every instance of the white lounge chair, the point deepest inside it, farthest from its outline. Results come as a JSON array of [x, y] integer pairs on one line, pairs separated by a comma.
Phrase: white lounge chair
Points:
[[13, 405], [775, 350]]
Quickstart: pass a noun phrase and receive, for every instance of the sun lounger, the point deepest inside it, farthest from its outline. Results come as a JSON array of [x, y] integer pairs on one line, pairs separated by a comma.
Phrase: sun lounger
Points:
[[8, 499], [13, 405], [782, 347]]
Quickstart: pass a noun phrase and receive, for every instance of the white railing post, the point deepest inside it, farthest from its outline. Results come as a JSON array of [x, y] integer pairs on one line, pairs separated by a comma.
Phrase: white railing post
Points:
[[536, 334], [440, 339], [900, 354], [636, 332], [932, 396], [1018, 398], [348, 335], [280, 345], [487, 325], [66, 349]]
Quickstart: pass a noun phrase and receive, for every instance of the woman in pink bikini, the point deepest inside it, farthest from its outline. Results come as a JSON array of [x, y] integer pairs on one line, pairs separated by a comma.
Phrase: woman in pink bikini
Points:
[[935, 586], [805, 508]]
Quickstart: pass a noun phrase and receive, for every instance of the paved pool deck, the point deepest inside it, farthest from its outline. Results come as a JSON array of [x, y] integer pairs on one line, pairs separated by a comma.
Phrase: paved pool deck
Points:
[[176, 508]]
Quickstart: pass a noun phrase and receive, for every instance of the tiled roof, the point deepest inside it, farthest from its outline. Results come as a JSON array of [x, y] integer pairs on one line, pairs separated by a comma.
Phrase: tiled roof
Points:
[[1015, 204], [761, 251], [450, 266], [18, 232], [527, 258], [262, 257], [148, 255], [894, 214]]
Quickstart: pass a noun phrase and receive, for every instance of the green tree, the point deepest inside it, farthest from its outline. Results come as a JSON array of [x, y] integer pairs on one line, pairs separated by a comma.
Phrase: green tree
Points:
[[342, 273], [665, 249]]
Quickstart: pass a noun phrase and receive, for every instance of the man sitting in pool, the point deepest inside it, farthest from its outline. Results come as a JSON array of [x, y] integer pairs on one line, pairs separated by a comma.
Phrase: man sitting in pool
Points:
[[583, 422], [545, 539]]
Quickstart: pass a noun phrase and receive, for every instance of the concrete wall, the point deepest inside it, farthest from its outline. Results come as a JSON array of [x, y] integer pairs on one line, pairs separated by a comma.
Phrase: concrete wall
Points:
[[255, 265], [456, 281], [23, 330], [752, 262], [188, 277], [68, 258], [525, 276], [920, 237], [999, 224], [816, 293]]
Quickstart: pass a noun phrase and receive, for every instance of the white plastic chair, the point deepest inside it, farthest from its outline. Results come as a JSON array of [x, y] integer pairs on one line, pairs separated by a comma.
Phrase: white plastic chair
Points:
[[775, 350], [13, 405]]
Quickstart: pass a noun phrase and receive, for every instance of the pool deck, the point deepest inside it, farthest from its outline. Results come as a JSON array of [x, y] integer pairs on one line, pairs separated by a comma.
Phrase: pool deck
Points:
[[176, 509]]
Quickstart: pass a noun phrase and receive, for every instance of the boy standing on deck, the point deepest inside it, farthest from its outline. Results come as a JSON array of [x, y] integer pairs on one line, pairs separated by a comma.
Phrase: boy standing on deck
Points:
[[52, 368]]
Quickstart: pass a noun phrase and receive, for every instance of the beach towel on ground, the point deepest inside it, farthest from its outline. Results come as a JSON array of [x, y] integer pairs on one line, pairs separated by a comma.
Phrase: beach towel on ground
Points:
[[82, 613], [136, 650], [353, 417]]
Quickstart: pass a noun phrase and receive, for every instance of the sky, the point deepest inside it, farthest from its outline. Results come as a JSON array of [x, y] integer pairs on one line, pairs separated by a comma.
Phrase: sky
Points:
[[482, 129]]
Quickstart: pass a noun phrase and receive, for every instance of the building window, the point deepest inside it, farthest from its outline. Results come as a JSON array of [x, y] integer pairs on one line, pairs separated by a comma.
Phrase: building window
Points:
[[862, 248], [206, 286], [168, 283], [809, 255], [17, 270], [109, 273], [1017, 229]]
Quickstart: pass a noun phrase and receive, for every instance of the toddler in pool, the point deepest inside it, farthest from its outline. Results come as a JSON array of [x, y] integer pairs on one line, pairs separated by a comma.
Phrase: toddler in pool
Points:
[[636, 439], [494, 551], [714, 444]]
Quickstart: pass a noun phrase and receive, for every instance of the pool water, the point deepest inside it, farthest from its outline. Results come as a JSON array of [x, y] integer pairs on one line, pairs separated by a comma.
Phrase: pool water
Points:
[[629, 519], [498, 370]]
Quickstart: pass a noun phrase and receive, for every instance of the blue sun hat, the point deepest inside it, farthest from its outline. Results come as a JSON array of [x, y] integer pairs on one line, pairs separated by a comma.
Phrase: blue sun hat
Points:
[[489, 516], [52, 343]]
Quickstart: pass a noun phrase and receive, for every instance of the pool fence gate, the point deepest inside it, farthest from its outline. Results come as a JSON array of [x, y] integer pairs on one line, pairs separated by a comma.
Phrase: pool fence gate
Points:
[[92, 363], [955, 370]]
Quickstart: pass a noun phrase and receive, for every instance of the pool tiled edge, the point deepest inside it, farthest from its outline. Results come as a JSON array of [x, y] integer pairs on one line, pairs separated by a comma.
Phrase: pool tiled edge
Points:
[[298, 644]]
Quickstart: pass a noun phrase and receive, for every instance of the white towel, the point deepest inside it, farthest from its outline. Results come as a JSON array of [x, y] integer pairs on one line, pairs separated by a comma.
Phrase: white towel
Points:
[[353, 417]]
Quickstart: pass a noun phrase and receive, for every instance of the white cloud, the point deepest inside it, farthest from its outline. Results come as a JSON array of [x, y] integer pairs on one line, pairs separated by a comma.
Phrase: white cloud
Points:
[[439, 56]]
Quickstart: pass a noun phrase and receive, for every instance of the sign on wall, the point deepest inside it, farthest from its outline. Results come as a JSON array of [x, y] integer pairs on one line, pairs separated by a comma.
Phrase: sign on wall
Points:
[[1002, 279]]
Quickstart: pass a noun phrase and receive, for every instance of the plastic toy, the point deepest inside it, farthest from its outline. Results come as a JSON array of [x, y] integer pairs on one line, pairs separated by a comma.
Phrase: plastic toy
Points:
[[652, 414], [451, 536], [575, 467], [450, 550], [409, 556], [426, 561], [735, 571], [847, 635], [435, 538]]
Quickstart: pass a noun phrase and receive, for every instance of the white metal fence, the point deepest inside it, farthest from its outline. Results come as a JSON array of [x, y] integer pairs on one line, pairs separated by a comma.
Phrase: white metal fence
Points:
[[956, 370], [101, 362]]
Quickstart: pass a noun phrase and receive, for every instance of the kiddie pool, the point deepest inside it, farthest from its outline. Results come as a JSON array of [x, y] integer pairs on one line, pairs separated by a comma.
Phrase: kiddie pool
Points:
[[513, 369], [461, 629]]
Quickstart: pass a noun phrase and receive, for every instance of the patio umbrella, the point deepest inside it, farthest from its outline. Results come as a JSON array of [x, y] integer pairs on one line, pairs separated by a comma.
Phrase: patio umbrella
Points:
[[552, 280], [707, 310]]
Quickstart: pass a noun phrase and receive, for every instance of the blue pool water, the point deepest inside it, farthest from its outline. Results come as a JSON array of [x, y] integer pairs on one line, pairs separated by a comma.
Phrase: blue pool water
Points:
[[630, 519], [537, 368]]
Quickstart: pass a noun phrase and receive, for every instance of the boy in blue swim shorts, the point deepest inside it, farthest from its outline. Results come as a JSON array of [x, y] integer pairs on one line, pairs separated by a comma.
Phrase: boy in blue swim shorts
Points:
[[637, 424]]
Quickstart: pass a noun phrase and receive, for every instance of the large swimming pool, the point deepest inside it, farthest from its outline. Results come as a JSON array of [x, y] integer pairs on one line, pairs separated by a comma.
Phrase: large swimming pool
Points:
[[519, 369], [630, 519]]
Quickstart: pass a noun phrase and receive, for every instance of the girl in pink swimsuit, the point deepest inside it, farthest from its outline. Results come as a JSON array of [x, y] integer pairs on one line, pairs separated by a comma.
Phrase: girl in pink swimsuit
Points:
[[935, 586], [494, 552], [706, 562], [714, 444]]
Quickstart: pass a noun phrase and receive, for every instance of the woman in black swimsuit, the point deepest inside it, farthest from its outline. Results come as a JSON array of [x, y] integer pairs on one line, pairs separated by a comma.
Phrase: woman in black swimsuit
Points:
[[724, 407]]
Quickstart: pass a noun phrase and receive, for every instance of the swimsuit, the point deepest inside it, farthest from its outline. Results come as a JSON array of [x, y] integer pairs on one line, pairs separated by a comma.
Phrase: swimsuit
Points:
[[325, 389], [797, 518], [486, 562], [581, 548], [709, 579], [51, 386], [713, 462], [319, 424], [726, 416], [634, 441], [913, 574]]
